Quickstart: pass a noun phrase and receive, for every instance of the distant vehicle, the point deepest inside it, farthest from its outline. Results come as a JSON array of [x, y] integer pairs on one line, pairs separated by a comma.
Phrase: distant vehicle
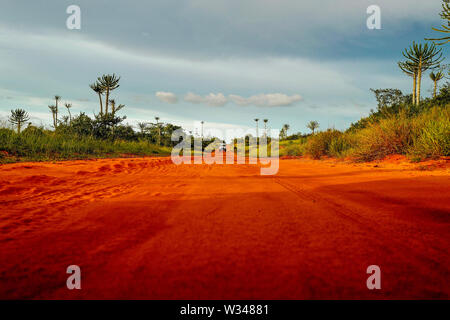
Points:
[[223, 147]]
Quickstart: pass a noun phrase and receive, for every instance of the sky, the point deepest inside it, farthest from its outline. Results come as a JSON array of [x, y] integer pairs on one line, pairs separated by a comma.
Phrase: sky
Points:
[[224, 62]]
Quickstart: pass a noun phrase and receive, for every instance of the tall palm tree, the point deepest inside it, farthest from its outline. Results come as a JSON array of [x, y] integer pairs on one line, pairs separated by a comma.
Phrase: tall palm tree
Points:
[[436, 77], [422, 57], [445, 28], [108, 83], [57, 98], [53, 111], [312, 125], [411, 70], [256, 120], [202, 122], [265, 127], [68, 106], [97, 88], [159, 130], [18, 117]]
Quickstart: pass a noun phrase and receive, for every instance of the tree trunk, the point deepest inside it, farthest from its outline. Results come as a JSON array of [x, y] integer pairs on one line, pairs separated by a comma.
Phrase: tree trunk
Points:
[[107, 98], [419, 80], [159, 135], [101, 103], [18, 127], [56, 114], [414, 88]]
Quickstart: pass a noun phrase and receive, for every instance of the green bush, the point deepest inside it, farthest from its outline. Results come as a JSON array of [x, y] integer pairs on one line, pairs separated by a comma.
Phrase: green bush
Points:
[[420, 137], [318, 145], [292, 149], [388, 136], [433, 138]]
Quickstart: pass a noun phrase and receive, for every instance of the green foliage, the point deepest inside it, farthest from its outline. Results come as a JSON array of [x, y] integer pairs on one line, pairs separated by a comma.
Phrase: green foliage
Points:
[[433, 138], [342, 145], [292, 147], [284, 131], [390, 103], [319, 144], [420, 136], [313, 125], [419, 133], [445, 28], [18, 117], [37, 144], [81, 125], [392, 135], [387, 98]]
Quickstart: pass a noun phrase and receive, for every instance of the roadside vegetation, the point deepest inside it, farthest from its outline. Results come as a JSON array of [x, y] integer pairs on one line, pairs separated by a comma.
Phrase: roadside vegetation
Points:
[[402, 124], [420, 133], [80, 136]]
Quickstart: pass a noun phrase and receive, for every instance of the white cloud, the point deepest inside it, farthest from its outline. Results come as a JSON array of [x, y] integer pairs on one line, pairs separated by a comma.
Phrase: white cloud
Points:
[[260, 100], [266, 100], [212, 99], [167, 97]]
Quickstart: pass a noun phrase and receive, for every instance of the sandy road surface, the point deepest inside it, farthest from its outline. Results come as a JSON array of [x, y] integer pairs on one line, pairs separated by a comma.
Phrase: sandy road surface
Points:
[[145, 228]]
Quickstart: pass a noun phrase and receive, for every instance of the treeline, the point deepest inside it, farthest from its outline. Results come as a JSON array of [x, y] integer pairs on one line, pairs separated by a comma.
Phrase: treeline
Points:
[[397, 126], [81, 136]]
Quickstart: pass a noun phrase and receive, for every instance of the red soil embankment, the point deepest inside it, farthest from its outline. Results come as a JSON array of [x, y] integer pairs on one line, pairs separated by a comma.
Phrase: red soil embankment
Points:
[[146, 228]]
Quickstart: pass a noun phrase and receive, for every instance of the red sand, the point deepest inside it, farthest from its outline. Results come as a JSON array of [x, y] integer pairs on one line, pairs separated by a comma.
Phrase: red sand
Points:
[[145, 228]]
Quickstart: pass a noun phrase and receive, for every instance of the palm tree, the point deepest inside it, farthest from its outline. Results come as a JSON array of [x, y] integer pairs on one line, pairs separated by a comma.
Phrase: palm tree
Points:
[[18, 117], [53, 111], [256, 120], [313, 125], [57, 98], [436, 77], [142, 126], [411, 70], [422, 57], [97, 88], [159, 130], [265, 127], [286, 127], [68, 106], [445, 14], [108, 83]]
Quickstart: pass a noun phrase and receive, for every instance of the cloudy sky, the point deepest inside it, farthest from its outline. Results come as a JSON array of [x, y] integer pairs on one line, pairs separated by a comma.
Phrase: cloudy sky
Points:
[[225, 62]]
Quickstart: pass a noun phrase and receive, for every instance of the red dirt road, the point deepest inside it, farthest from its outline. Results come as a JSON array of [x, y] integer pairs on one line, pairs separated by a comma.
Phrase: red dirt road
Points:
[[146, 228]]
